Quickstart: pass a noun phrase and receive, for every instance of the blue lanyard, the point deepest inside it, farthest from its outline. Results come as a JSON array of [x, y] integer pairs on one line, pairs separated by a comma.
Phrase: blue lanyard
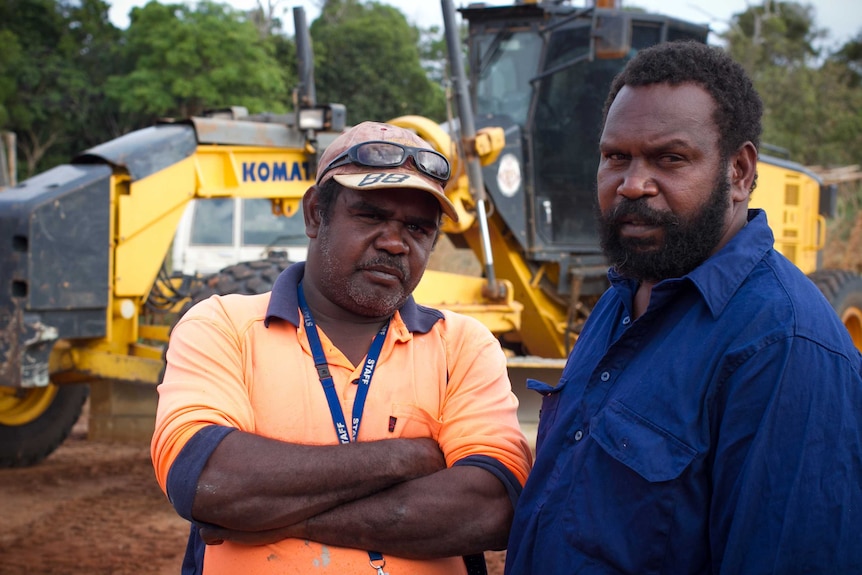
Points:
[[326, 378], [376, 559]]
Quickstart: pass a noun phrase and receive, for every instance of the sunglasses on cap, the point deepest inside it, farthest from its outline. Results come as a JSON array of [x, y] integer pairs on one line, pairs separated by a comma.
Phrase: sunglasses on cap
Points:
[[380, 154]]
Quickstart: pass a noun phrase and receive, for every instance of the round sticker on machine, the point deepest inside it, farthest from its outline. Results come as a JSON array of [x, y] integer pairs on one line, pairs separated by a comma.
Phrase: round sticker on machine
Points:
[[509, 175]]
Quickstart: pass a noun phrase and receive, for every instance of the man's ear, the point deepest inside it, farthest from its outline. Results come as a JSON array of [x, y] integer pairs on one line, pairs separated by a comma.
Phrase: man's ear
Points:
[[743, 171], [311, 211]]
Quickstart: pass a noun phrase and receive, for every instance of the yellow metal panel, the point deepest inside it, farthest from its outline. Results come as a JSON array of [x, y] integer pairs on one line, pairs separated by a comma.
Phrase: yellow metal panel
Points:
[[791, 200], [123, 330], [137, 259], [120, 186], [152, 197], [102, 365], [814, 228], [446, 288], [148, 351], [250, 172], [216, 170], [463, 294], [155, 332]]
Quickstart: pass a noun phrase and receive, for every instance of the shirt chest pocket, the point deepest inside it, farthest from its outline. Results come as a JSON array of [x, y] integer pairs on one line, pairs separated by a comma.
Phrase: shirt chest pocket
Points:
[[411, 422], [640, 445], [629, 491]]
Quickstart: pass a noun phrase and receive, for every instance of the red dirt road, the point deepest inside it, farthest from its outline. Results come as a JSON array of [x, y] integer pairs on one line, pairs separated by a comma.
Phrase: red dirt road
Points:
[[94, 508], [90, 508]]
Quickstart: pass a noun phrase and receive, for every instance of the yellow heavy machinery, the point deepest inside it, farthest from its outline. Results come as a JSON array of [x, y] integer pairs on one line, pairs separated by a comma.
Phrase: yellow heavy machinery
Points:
[[85, 297]]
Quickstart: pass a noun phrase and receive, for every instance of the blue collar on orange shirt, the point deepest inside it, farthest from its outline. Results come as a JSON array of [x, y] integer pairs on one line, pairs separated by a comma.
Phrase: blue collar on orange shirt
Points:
[[284, 304]]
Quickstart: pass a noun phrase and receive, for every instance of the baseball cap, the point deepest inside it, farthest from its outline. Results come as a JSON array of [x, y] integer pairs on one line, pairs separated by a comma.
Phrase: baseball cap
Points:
[[364, 177]]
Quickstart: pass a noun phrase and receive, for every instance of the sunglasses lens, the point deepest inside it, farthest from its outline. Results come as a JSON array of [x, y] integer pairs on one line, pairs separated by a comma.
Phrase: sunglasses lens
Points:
[[385, 154], [380, 154], [433, 164]]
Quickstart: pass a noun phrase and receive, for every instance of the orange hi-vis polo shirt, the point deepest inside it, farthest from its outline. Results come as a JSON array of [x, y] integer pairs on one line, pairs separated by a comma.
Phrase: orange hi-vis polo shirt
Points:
[[244, 362]]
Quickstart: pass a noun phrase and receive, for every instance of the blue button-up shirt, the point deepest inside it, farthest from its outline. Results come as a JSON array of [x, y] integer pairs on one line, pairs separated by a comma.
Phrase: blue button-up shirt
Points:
[[720, 432]]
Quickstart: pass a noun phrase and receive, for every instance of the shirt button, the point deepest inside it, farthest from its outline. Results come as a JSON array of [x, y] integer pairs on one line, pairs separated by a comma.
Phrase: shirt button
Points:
[[605, 376], [579, 435], [627, 320]]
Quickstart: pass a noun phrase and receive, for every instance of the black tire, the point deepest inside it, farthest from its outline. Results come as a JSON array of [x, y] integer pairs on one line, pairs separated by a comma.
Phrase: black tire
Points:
[[30, 443], [248, 278], [843, 289]]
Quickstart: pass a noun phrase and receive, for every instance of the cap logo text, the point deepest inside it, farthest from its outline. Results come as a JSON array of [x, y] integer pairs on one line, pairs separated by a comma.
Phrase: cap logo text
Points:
[[383, 178]]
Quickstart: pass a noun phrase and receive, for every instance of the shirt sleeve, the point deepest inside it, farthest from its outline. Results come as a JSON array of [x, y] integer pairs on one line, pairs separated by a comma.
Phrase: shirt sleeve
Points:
[[203, 386], [185, 472], [786, 492], [480, 412]]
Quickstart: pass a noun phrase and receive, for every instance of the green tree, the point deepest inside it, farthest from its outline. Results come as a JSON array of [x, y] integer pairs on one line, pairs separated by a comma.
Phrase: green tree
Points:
[[433, 54], [774, 34], [367, 57], [94, 43], [271, 30], [810, 108], [814, 114], [185, 60], [849, 56], [53, 54], [10, 57]]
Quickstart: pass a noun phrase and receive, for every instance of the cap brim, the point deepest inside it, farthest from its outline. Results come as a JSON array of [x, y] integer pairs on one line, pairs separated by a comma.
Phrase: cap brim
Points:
[[398, 179]]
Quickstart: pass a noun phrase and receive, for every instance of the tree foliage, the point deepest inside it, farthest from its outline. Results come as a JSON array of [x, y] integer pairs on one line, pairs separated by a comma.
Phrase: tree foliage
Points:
[[775, 34], [183, 61], [849, 57], [812, 101], [367, 57], [433, 54], [55, 53], [10, 57]]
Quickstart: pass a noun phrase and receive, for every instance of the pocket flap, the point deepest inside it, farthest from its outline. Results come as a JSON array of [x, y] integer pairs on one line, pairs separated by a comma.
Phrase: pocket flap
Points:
[[640, 445], [542, 387]]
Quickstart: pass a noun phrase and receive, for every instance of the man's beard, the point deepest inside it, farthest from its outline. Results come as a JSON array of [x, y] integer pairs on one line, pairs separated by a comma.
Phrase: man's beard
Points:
[[686, 244]]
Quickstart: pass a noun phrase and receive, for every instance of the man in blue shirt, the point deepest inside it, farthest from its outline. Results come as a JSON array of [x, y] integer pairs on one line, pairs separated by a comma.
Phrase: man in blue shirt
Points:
[[709, 419]]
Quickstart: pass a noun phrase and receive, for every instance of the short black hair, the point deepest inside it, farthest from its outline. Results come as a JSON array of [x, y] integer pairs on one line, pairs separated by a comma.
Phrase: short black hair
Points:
[[738, 110], [326, 195]]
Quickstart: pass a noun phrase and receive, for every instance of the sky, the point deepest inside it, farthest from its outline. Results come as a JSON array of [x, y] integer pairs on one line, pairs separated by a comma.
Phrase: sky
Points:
[[842, 18]]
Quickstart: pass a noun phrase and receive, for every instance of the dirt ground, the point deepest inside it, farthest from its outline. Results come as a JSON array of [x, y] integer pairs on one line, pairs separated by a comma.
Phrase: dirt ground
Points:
[[94, 508]]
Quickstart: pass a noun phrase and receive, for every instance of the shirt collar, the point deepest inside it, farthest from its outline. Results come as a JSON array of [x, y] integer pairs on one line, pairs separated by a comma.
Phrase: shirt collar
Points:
[[721, 275], [283, 303]]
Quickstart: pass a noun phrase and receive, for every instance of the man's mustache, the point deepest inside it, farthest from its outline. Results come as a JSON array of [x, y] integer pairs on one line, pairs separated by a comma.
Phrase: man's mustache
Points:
[[638, 209], [389, 262]]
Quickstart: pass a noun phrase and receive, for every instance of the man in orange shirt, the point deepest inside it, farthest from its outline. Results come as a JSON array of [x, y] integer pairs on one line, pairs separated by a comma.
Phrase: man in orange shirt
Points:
[[333, 425]]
